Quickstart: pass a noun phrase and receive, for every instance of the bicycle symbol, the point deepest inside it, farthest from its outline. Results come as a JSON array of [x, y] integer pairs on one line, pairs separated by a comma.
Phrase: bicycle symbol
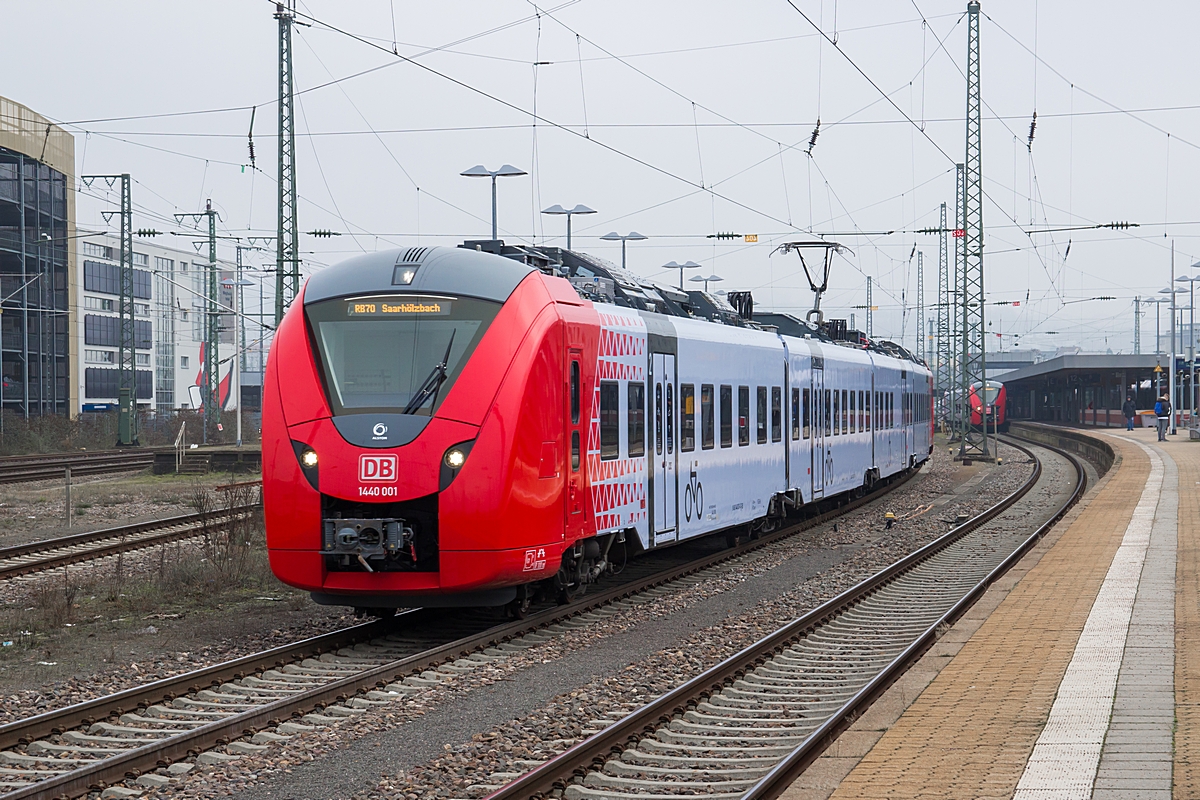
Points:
[[693, 495]]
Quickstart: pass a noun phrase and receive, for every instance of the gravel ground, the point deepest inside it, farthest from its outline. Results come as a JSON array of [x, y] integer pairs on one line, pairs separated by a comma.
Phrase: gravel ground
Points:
[[31, 512], [529, 706]]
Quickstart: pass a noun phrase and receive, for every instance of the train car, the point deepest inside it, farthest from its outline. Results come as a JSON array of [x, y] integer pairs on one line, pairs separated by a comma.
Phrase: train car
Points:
[[445, 426], [989, 407]]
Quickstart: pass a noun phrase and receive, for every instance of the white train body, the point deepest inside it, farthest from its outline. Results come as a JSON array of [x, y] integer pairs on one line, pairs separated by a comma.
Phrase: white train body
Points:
[[742, 423]]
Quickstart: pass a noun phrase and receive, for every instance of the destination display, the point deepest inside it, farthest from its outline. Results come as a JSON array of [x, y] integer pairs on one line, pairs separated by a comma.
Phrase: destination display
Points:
[[399, 307]]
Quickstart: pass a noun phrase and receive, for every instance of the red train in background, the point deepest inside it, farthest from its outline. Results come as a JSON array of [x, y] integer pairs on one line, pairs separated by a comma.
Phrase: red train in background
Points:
[[445, 426], [989, 406]]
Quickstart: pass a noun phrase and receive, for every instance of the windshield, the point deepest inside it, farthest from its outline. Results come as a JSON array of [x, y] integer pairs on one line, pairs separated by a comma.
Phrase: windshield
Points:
[[378, 353]]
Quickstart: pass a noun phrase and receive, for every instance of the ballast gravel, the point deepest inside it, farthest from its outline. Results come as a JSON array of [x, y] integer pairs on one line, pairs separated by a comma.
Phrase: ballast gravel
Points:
[[480, 727]]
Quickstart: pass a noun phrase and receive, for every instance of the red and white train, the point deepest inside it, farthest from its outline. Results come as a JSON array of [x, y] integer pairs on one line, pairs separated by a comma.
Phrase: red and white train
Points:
[[445, 426]]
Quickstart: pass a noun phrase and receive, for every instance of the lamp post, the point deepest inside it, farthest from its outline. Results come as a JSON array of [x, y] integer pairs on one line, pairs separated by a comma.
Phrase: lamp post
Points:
[[632, 236], [237, 356], [578, 209], [681, 268], [713, 278], [1191, 339], [506, 171]]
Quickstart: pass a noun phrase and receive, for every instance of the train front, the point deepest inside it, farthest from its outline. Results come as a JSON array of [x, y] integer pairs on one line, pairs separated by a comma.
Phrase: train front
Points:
[[401, 392]]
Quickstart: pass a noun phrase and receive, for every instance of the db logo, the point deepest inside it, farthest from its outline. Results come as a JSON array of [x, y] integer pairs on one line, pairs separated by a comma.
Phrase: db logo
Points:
[[377, 468], [535, 560]]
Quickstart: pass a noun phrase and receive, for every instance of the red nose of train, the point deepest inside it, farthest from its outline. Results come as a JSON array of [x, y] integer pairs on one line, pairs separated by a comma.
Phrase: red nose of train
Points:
[[394, 430]]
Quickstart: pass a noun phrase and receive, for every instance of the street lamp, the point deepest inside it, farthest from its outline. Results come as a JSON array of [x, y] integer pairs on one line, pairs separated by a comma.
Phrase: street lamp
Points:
[[681, 268], [632, 236], [578, 209], [506, 171], [237, 357], [713, 278]]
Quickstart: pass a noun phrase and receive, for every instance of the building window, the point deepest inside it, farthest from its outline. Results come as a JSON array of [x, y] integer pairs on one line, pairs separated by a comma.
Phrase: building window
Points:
[[637, 419], [106, 279], [707, 417], [142, 359], [743, 416], [99, 357], [687, 413], [102, 383], [141, 260], [610, 420], [726, 416], [97, 250], [99, 303], [141, 309], [163, 264], [183, 362]]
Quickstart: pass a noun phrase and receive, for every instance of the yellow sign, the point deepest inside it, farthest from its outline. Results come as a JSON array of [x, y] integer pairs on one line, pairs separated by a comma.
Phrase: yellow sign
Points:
[[1159, 369], [400, 306], [750, 238]]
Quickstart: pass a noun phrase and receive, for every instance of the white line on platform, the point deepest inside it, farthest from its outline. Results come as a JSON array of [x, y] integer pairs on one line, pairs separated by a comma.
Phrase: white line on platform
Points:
[[1064, 760]]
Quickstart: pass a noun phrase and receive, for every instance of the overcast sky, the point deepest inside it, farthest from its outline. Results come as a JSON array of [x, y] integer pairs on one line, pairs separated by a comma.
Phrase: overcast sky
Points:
[[642, 105]]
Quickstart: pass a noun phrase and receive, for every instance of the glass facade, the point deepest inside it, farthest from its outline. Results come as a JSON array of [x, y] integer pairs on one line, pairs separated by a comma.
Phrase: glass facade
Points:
[[34, 277]]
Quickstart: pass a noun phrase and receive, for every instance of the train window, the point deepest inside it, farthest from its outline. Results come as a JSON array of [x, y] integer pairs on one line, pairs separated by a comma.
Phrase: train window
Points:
[[707, 420], [743, 416], [806, 414], [845, 412], [574, 451], [760, 419], [796, 414], [574, 392], [828, 414], [867, 410], [853, 414], [837, 412], [726, 416], [862, 414], [776, 414], [610, 420], [658, 418], [891, 409], [637, 419], [687, 417], [670, 412]]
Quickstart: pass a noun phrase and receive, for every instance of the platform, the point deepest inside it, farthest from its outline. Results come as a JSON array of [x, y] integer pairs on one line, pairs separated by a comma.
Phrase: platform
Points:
[[1077, 675]]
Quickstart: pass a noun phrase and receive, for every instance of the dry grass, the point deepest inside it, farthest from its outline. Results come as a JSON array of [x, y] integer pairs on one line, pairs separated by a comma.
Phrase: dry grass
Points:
[[226, 564]]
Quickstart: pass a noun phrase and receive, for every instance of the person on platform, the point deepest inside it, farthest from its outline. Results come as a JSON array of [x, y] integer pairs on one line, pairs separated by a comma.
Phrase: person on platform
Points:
[[1130, 411], [1162, 410]]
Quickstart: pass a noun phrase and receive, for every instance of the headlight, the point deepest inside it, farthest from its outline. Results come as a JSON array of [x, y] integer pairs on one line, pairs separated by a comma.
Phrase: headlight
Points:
[[455, 458], [309, 458]]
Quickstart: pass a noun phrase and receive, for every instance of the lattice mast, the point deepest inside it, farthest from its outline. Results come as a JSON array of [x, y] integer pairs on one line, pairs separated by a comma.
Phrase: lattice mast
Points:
[[1137, 326], [211, 391], [126, 367], [944, 342], [287, 259], [921, 304], [974, 363]]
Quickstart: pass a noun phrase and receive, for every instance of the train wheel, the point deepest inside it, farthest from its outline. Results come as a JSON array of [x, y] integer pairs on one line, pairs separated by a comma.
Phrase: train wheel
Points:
[[518, 607], [568, 583]]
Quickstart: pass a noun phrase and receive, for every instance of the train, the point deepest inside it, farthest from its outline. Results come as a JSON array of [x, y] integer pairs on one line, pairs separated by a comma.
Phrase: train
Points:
[[487, 424], [989, 412]]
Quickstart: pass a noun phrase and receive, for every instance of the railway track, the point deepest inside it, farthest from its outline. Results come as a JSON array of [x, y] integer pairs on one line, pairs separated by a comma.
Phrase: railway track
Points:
[[85, 747], [22, 469], [66, 550], [747, 727]]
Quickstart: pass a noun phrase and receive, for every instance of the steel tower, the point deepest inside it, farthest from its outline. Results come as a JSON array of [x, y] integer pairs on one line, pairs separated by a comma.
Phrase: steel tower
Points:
[[974, 357], [287, 259]]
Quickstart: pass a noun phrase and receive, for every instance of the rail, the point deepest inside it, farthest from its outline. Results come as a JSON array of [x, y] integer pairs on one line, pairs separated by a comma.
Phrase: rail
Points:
[[207, 734], [559, 773]]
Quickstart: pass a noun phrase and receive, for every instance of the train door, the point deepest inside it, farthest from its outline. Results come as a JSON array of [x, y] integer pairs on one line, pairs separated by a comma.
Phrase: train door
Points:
[[818, 430], [576, 462], [663, 483]]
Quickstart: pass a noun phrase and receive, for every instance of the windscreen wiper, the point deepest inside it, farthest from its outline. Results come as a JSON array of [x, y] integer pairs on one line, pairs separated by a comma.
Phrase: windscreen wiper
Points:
[[432, 384]]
